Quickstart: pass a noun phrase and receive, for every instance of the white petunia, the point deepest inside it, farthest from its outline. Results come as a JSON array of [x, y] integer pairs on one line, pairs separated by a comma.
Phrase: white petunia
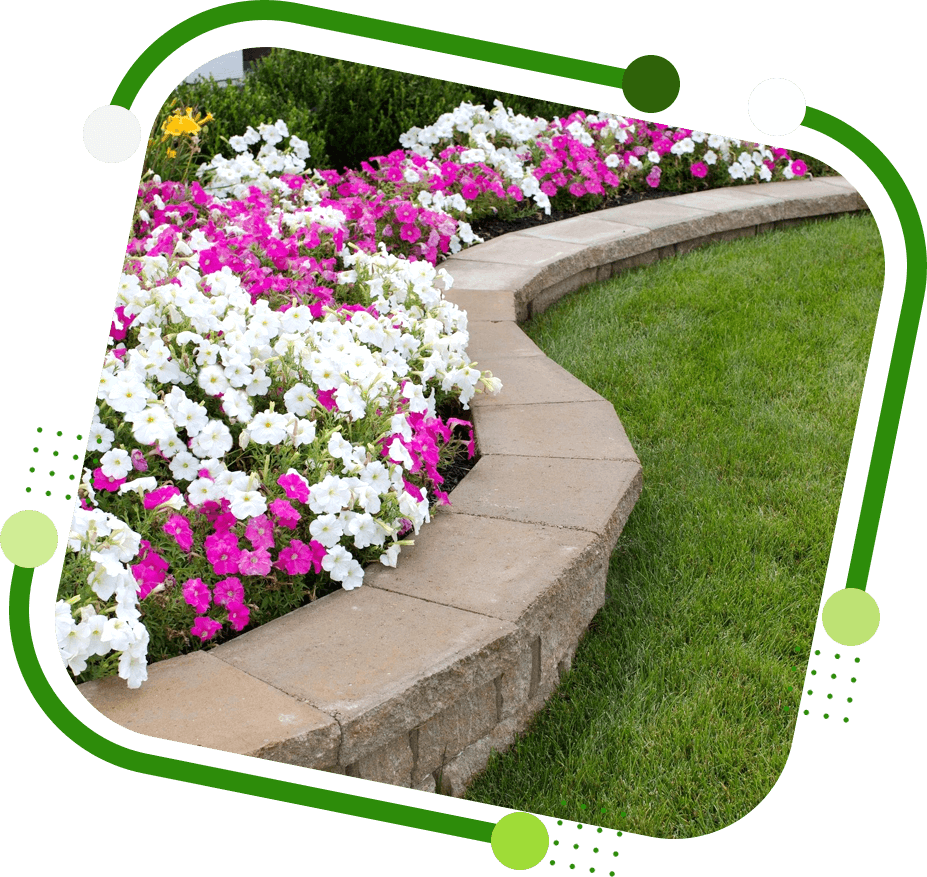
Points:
[[212, 380], [349, 400], [139, 485], [268, 428], [184, 466], [100, 438], [397, 451], [338, 563], [190, 416], [260, 383], [247, 504], [128, 394], [330, 495], [116, 463], [365, 531], [151, 425], [201, 490], [354, 577], [298, 400], [367, 497], [327, 530], [376, 475], [339, 447], [388, 558], [214, 440]]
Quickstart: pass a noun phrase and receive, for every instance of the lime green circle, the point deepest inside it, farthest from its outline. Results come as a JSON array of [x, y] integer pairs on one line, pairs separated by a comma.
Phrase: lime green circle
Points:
[[519, 841], [851, 616], [28, 539], [650, 83]]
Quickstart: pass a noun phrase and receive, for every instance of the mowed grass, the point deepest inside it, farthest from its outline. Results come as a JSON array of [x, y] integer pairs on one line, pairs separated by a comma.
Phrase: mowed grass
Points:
[[737, 371]]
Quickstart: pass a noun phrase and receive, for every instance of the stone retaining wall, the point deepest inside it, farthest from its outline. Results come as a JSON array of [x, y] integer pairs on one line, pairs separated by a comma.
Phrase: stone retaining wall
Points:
[[428, 667]]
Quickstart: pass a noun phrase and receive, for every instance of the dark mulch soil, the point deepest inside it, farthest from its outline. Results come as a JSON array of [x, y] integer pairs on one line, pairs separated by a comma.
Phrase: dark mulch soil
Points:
[[456, 470]]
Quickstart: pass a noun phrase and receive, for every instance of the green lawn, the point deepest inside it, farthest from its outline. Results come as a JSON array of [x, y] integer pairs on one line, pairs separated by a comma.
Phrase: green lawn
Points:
[[737, 371]]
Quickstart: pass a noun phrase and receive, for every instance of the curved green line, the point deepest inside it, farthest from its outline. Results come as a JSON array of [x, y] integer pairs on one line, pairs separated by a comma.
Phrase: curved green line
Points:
[[372, 28], [905, 336], [297, 13], [201, 774]]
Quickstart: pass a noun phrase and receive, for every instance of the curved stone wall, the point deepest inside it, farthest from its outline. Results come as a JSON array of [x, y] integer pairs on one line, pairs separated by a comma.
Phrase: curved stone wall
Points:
[[428, 667]]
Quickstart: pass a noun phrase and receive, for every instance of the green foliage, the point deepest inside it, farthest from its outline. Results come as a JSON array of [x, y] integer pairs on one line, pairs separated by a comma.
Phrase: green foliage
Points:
[[347, 112], [350, 112], [361, 110], [238, 105]]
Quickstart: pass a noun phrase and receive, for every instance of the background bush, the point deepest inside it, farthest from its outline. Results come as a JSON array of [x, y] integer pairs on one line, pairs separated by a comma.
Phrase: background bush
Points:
[[347, 112]]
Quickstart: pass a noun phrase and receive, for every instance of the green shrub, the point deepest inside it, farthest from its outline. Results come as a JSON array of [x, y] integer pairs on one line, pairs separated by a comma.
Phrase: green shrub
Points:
[[237, 105], [346, 112]]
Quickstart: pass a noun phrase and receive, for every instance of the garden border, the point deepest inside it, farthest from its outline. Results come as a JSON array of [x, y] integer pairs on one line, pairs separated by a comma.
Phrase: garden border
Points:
[[418, 675]]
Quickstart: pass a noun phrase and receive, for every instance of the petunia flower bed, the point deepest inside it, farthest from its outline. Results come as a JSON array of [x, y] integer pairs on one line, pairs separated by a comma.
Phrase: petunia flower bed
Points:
[[272, 408]]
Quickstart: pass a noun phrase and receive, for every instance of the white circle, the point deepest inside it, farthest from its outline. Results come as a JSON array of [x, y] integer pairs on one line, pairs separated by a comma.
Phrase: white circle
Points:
[[112, 134], [776, 106]]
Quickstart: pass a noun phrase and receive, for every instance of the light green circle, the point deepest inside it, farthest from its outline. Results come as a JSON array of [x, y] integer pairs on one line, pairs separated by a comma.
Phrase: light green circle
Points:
[[519, 841], [850, 617], [28, 539]]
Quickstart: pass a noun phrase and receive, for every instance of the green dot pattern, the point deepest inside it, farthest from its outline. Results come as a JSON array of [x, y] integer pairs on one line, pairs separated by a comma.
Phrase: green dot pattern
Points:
[[30, 538], [53, 487], [833, 697], [577, 855]]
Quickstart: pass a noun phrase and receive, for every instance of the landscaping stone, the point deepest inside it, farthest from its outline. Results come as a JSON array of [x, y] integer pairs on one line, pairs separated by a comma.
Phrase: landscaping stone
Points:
[[430, 667]]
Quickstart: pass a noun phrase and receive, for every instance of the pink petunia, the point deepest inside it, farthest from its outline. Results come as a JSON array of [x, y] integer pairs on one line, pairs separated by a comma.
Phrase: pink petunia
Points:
[[227, 591], [799, 168], [296, 558], [148, 578], [222, 552], [284, 513], [139, 463], [326, 397], [239, 615], [410, 233], [104, 482], [412, 490], [179, 527], [260, 532], [196, 593], [224, 522], [699, 169], [254, 563], [156, 497], [294, 486], [205, 627], [318, 552], [215, 543]]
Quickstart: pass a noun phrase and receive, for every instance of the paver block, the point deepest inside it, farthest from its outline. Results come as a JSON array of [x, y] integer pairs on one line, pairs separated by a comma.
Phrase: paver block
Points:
[[667, 221], [531, 379], [541, 299], [391, 764], [201, 700], [812, 198], [445, 735], [593, 495], [488, 276], [733, 234], [548, 581], [489, 340], [380, 662], [486, 304], [605, 241], [579, 430]]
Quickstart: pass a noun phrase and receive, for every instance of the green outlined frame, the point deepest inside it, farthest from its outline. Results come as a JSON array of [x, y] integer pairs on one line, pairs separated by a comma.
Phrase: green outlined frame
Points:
[[664, 88]]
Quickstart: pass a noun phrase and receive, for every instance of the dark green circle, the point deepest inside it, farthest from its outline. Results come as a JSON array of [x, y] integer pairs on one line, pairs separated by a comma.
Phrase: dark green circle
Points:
[[817, 651], [849, 700], [826, 716], [650, 83], [32, 468], [39, 429], [853, 679], [806, 712], [59, 432], [51, 472], [28, 490], [519, 841], [856, 660], [846, 720]]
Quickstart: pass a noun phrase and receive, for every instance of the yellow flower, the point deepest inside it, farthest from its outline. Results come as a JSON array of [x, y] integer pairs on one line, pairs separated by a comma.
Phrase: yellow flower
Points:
[[172, 153], [177, 126]]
